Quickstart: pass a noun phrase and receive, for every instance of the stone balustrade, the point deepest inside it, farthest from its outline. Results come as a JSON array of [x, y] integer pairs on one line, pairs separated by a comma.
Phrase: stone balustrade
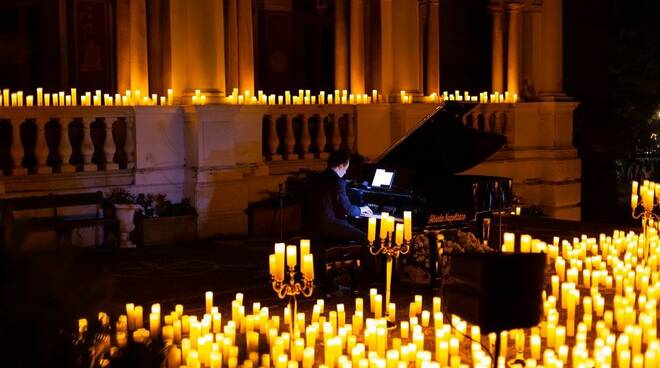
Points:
[[293, 132], [53, 140], [491, 118]]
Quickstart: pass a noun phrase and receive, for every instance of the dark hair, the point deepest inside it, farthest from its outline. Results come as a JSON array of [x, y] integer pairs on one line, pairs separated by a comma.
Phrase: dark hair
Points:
[[337, 158]]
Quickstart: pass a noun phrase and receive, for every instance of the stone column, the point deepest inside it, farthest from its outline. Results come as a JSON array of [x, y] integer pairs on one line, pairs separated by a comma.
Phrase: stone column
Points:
[[497, 65], [341, 47], [386, 54], [132, 59], [532, 48], [232, 45], [245, 47], [513, 49], [406, 40], [198, 48], [552, 32], [357, 46], [433, 49]]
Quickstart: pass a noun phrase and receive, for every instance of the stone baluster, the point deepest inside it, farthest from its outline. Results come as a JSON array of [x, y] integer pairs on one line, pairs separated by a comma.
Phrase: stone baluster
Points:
[[506, 126], [336, 134], [321, 139], [65, 149], [87, 148], [273, 140], [491, 124], [41, 147], [350, 133], [305, 139], [109, 146], [17, 152], [129, 146], [289, 138]]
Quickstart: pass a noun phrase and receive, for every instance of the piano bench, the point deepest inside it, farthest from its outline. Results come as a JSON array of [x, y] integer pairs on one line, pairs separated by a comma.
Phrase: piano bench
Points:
[[343, 257], [336, 257]]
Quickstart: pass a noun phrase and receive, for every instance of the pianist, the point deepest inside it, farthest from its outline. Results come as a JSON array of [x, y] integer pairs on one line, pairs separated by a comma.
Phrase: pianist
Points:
[[329, 205]]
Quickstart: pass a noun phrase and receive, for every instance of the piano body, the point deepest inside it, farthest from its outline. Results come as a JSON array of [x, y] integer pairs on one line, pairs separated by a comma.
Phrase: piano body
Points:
[[425, 163]]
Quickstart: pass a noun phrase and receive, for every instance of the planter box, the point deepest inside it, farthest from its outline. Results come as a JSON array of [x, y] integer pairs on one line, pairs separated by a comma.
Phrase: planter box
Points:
[[165, 230], [265, 221]]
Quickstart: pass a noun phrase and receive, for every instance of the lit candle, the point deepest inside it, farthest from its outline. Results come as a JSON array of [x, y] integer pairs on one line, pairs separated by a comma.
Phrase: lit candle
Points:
[[40, 96], [29, 101], [291, 256], [371, 232], [308, 269], [279, 261], [509, 242], [407, 225], [399, 234], [74, 97], [383, 225], [525, 243], [209, 301]]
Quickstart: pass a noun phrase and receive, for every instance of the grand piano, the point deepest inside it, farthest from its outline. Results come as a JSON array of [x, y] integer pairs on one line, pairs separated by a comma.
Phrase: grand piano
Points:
[[420, 172]]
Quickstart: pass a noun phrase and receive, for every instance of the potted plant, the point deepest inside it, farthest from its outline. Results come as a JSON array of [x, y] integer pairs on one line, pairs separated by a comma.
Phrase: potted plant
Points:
[[161, 221], [125, 207]]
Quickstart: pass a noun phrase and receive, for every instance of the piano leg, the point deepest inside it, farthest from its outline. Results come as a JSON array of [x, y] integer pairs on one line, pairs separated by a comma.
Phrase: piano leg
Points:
[[433, 262]]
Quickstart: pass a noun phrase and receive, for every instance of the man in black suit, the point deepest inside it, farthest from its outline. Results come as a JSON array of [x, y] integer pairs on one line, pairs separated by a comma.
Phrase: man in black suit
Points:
[[329, 205]]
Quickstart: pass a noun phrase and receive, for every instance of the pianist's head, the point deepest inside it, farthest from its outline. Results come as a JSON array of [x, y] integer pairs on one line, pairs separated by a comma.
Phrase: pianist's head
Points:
[[339, 161]]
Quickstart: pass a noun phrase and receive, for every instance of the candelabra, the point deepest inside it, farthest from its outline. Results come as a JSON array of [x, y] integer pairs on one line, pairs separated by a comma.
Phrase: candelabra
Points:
[[295, 282], [644, 210], [392, 249]]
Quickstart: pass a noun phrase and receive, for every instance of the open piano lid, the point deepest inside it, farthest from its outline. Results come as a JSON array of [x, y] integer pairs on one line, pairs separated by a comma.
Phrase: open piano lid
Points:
[[441, 145]]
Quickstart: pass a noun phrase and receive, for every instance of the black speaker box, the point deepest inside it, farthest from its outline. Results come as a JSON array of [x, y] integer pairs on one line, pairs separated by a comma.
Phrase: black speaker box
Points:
[[496, 291]]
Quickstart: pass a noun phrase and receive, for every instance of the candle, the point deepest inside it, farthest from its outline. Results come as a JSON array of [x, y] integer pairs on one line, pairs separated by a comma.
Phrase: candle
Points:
[[209, 301], [509, 242], [399, 234], [383, 225], [29, 101], [279, 261], [371, 232], [525, 243], [407, 225], [40, 96], [378, 306], [308, 266], [291, 255]]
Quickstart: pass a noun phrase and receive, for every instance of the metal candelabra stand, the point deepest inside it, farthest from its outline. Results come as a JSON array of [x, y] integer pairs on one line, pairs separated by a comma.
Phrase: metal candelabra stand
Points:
[[648, 218], [291, 287], [389, 248]]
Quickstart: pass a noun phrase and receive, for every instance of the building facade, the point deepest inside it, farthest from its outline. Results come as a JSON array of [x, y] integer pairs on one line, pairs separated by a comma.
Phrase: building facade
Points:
[[225, 155]]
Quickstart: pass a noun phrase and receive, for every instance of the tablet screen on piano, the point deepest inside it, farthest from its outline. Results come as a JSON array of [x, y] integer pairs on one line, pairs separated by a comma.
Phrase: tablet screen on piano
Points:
[[383, 179]]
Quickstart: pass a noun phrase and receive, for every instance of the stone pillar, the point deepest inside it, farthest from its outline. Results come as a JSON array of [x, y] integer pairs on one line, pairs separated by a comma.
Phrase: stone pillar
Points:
[[197, 48], [433, 49], [532, 48], [341, 47], [245, 47], [232, 45], [513, 49], [132, 59], [497, 65], [357, 46], [407, 73], [551, 86], [386, 53]]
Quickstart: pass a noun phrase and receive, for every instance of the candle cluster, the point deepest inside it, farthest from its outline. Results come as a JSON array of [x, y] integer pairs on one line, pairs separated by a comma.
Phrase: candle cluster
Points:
[[484, 97], [276, 261], [61, 98], [600, 310], [198, 98], [649, 193], [387, 228], [304, 97]]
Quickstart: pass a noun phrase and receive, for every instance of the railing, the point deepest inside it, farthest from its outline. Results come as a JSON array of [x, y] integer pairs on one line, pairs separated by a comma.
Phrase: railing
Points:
[[45, 140], [295, 132], [492, 118]]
